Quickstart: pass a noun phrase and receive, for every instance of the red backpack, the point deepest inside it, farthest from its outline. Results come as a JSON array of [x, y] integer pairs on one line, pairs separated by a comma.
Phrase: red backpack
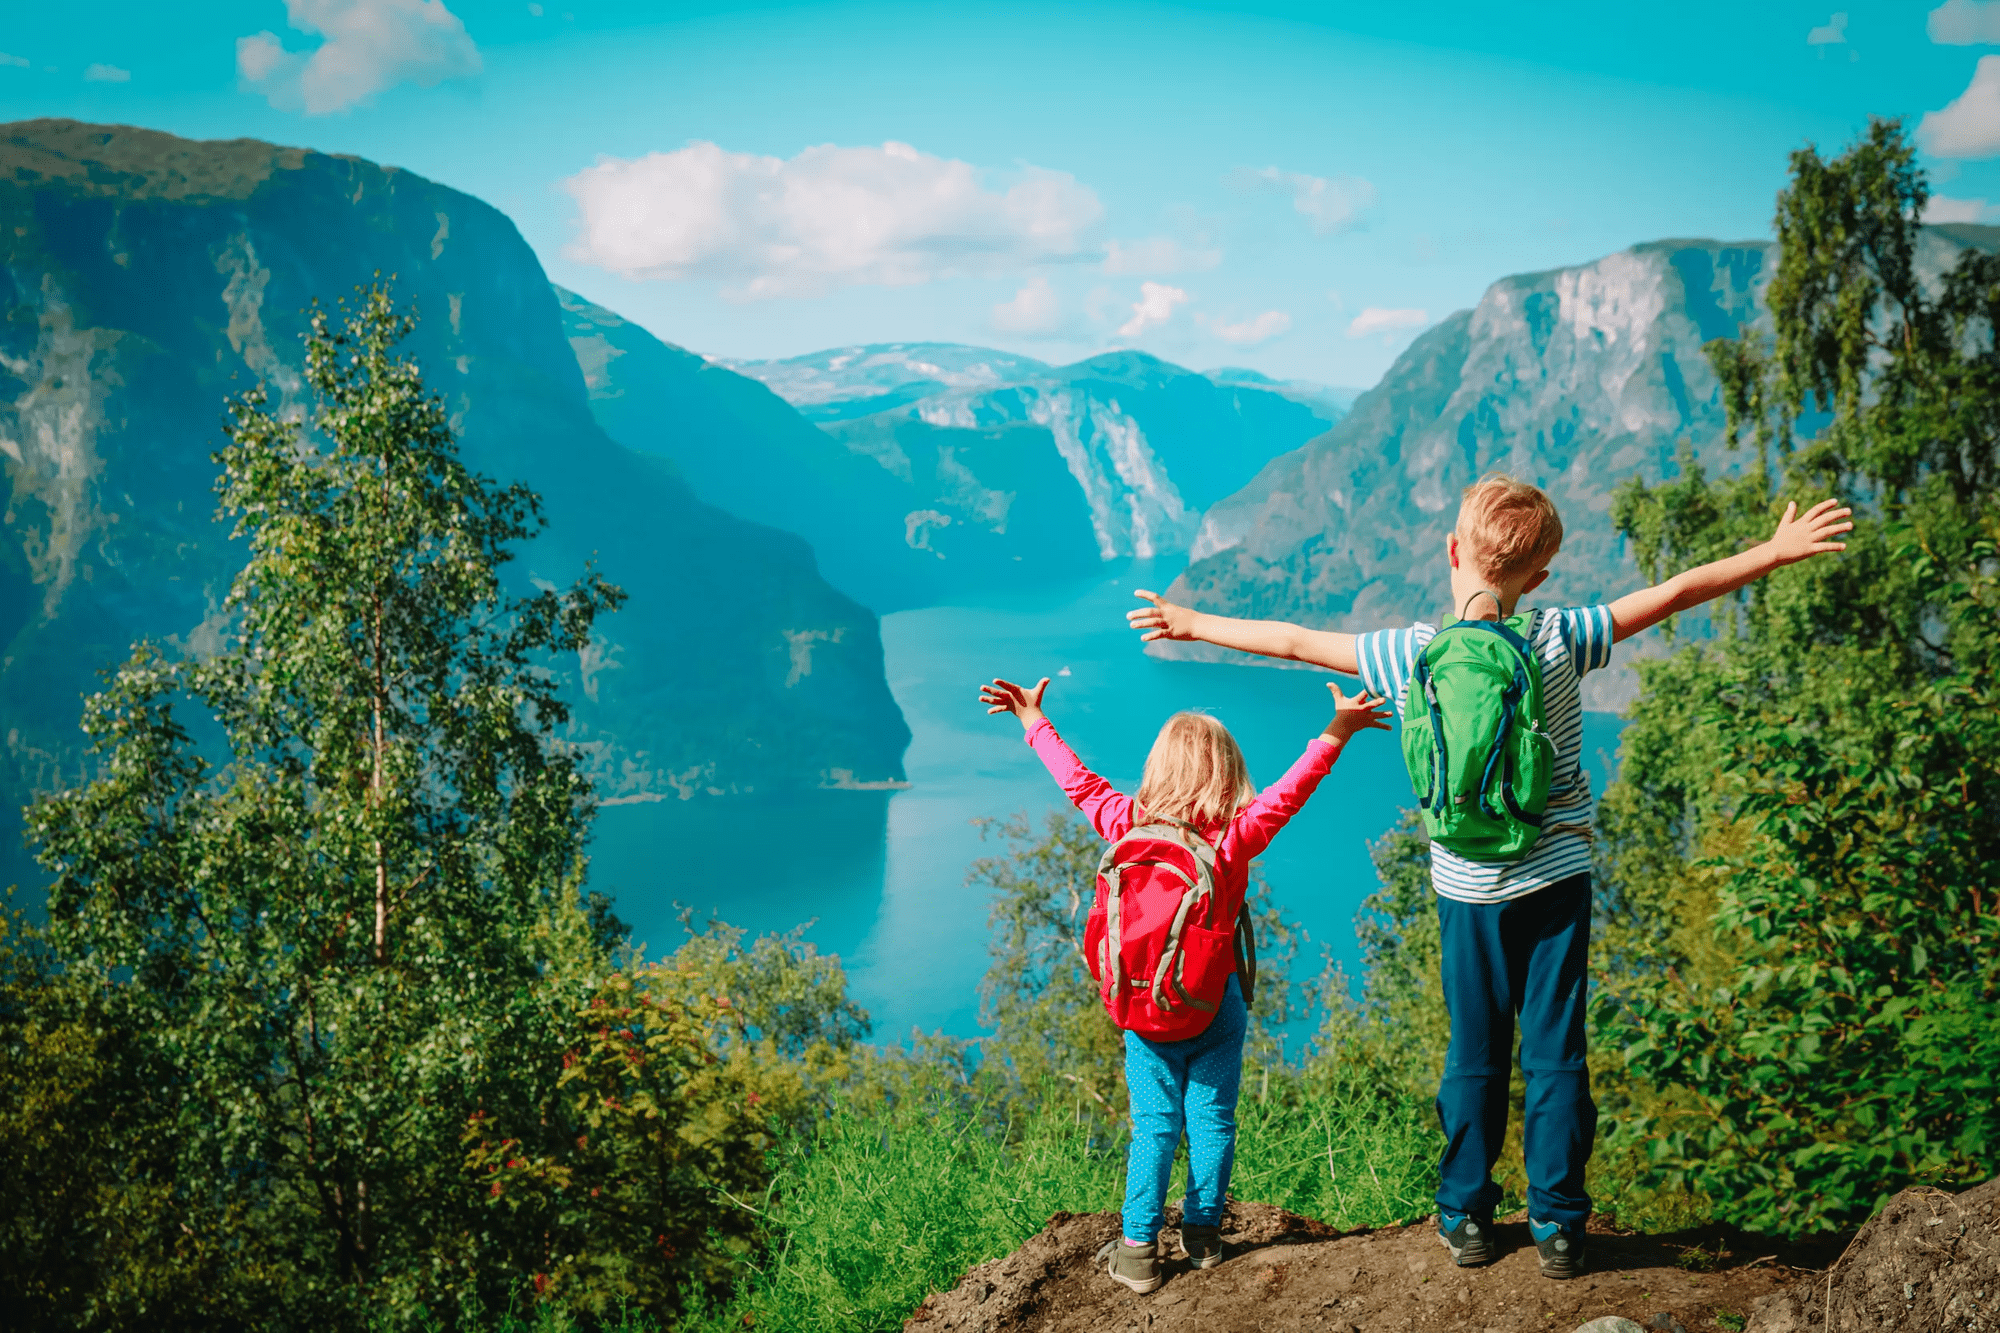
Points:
[[1157, 942]]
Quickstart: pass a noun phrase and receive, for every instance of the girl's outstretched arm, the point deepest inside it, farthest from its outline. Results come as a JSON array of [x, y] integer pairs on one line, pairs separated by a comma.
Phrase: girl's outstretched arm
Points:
[[1108, 809], [1259, 822]]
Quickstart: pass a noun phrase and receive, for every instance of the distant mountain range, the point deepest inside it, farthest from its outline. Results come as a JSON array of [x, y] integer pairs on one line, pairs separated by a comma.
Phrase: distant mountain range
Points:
[[1576, 379], [148, 277], [924, 471]]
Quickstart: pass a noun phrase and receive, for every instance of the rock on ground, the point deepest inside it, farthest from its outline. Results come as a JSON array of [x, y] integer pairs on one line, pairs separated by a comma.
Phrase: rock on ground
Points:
[[1929, 1262], [1283, 1271]]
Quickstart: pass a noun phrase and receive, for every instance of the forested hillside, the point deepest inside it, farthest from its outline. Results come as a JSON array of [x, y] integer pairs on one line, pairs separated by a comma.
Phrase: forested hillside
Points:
[[147, 277]]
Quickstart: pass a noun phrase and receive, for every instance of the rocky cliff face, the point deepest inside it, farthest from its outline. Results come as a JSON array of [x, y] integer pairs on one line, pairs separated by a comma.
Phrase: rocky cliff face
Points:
[[147, 277], [1575, 380]]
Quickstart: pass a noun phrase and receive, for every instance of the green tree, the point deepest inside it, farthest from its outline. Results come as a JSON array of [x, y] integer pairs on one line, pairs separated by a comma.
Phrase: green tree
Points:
[[644, 1171], [1804, 978], [347, 916]]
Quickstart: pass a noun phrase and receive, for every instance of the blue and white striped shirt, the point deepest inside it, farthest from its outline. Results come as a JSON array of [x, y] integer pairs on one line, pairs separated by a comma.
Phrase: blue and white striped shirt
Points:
[[1569, 642]]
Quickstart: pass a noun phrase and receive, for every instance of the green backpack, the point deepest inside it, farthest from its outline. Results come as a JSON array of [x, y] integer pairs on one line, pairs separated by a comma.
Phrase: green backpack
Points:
[[1479, 759]]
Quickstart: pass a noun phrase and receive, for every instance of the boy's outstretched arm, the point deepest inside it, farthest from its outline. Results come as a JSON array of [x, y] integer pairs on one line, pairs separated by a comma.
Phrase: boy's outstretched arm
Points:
[[1799, 537], [1267, 638]]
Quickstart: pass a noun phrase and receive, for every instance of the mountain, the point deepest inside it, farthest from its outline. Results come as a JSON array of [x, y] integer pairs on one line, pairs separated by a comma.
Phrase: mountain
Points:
[[1576, 379], [870, 523], [857, 381], [1006, 462], [148, 277], [1330, 401]]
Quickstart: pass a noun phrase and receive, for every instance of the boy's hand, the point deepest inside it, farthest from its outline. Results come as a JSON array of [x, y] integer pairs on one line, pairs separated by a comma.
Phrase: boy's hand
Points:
[[1359, 713], [1004, 696], [1161, 620], [1802, 535]]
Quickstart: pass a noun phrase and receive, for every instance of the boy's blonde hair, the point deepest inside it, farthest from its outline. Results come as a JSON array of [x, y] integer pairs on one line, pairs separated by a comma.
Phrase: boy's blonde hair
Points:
[[1195, 772], [1508, 528]]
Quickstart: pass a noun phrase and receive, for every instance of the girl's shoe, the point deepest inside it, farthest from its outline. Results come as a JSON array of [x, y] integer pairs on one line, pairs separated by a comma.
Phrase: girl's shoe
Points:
[[1203, 1245], [1135, 1266]]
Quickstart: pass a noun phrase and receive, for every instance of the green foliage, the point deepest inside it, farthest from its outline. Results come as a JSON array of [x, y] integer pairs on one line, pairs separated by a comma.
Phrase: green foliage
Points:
[[1805, 983], [1038, 998], [348, 919], [1394, 1032], [638, 1172], [878, 1208], [1331, 1143]]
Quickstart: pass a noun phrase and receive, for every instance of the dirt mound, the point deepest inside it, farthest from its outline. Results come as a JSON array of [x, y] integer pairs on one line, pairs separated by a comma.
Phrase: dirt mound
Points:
[[1284, 1271], [1930, 1261]]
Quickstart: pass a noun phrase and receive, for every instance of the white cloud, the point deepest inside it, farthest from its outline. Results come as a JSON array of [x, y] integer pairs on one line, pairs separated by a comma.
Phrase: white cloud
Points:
[[368, 45], [1943, 208], [1158, 255], [22, 61], [106, 74], [1969, 126], [1831, 33], [1331, 204], [1965, 23], [1034, 310], [1375, 319], [1250, 332], [831, 216], [1155, 306]]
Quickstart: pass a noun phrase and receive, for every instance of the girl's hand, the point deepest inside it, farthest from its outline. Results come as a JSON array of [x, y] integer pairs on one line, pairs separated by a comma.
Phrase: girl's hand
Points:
[[1004, 696], [1359, 713], [1811, 533], [1161, 620]]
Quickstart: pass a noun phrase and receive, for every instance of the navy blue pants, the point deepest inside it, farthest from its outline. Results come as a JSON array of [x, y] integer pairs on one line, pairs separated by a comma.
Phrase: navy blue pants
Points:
[[1525, 957]]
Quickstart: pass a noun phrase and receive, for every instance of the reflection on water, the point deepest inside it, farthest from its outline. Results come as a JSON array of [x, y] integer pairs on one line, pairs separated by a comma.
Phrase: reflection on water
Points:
[[882, 875], [763, 865]]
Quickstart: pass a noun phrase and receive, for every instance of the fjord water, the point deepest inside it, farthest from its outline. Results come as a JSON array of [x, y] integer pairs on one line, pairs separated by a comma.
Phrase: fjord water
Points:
[[882, 876]]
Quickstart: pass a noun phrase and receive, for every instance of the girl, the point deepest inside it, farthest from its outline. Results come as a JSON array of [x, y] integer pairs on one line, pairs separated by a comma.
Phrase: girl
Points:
[[1194, 774]]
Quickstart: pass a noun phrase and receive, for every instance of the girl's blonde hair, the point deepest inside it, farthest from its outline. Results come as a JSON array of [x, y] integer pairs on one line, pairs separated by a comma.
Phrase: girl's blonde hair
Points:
[[1195, 772]]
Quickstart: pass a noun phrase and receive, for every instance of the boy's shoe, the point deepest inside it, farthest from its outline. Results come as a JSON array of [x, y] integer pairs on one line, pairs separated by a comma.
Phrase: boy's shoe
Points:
[[1470, 1239], [1203, 1245], [1561, 1249], [1135, 1266]]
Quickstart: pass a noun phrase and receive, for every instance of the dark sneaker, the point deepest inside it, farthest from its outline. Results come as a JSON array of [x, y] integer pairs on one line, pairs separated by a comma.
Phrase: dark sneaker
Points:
[[1203, 1245], [1136, 1266], [1470, 1239], [1561, 1249]]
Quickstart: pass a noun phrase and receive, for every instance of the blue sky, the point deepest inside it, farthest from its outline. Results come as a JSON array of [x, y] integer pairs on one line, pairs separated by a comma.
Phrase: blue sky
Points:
[[1299, 189]]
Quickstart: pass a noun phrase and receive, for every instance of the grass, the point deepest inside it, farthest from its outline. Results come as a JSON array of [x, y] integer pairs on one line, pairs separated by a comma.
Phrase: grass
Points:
[[883, 1207]]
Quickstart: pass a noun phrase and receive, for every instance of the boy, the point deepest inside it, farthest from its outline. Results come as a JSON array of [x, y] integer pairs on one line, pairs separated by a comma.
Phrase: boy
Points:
[[1515, 935]]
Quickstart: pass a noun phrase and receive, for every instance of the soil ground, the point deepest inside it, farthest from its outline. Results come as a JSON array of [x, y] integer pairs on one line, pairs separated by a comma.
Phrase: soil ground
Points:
[[1929, 1262], [1284, 1271]]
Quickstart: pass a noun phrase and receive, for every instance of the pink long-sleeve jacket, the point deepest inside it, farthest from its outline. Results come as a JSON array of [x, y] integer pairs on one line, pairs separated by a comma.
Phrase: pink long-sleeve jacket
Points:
[[1112, 813]]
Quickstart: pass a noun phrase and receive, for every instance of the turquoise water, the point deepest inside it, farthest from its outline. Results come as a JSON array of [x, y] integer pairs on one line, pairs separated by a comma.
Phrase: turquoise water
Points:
[[882, 875]]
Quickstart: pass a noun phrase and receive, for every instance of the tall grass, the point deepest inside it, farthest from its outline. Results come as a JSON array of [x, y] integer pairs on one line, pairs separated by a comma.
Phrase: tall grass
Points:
[[1342, 1151], [882, 1206]]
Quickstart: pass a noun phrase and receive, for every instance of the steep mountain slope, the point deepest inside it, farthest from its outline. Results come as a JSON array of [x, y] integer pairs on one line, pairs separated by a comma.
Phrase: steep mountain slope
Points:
[[922, 471], [1575, 379], [872, 521], [1007, 462], [147, 277]]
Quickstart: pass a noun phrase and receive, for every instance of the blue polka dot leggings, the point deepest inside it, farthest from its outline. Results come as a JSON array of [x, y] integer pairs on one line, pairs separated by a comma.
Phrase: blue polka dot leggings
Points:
[[1191, 1085]]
